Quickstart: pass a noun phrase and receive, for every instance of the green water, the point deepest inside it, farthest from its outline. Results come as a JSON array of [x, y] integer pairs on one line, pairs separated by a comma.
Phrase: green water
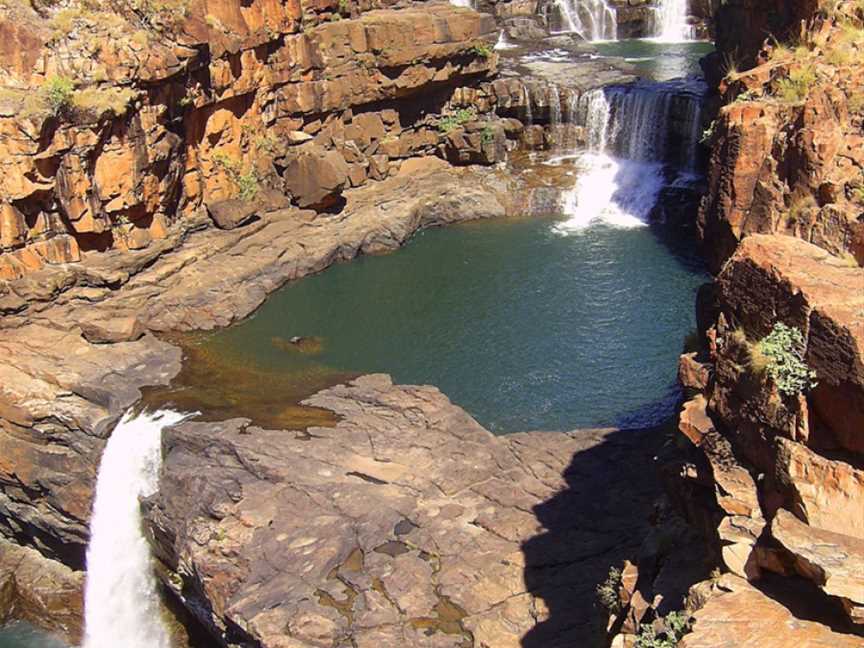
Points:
[[656, 60], [22, 635], [523, 327]]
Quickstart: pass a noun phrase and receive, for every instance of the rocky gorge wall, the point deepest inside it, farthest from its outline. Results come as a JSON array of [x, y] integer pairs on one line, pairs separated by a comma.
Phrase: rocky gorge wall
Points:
[[119, 122], [772, 468]]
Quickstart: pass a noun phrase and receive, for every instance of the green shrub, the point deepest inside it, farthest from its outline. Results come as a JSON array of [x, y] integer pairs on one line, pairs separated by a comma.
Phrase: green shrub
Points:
[[455, 120], [57, 92], [708, 133], [482, 49], [782, 350], [487, 136], [246, 184], [796, 86], [607, 591], [675, 626]]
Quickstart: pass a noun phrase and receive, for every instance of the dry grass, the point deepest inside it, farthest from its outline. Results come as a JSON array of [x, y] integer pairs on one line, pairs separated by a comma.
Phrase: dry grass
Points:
[[98, 101]]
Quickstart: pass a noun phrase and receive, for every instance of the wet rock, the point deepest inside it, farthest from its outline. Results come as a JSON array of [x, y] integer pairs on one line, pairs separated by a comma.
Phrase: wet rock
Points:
[[59, 399]]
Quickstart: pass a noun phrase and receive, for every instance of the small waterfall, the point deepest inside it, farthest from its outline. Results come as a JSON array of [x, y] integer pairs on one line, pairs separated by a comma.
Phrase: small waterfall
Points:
[[593, 20], [469, 4], [554, 99], [120, 600], [526, 97], [670, 18], [635, 133], [503, 43]]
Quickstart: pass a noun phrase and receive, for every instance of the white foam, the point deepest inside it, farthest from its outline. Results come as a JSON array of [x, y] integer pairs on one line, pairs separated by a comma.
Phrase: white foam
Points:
[[610, 191], [121, 605]]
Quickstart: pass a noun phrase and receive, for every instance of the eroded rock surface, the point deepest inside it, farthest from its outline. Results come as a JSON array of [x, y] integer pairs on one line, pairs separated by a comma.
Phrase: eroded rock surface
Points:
[[777, 483], [40, 591], [737, 615], [407, 524]]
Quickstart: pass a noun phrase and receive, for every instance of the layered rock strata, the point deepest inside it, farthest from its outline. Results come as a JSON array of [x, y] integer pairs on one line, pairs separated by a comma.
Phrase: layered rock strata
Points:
[[778, 484], [786, 147], [106, 148]]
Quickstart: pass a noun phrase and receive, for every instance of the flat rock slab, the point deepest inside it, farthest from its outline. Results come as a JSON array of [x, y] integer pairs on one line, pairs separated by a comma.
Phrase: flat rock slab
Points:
[[408, 524], [744, 617]]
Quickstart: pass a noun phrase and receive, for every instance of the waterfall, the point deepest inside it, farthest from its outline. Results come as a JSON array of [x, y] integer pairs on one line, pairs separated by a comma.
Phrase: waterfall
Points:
[[670, 18], [469, 4], [526, 97], [503, 43], [635, 134], [593, 20], [120, 599], [554, 99]]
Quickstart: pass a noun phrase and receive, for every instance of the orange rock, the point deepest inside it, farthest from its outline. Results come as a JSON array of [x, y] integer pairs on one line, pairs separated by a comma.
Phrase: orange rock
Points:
[[827, 494], [833, 561], [743, 617]]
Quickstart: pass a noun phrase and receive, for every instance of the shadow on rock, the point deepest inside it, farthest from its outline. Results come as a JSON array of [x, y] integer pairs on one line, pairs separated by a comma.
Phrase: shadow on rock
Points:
[[599, 520]]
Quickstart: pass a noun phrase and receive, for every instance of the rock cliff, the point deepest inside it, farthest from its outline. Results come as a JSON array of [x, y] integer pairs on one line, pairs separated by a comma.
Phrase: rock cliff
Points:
[[774, 423], [786, 146], [118, 121]]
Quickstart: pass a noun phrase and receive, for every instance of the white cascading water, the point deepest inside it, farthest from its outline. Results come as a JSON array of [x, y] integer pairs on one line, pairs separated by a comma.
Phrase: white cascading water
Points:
[[463, 3], [503, 43], [593, 20], [121, 605], [621, 175], [670, 18]]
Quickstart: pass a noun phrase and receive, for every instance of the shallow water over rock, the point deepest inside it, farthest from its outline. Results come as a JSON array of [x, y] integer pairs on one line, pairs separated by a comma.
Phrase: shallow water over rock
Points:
[[23, 635]]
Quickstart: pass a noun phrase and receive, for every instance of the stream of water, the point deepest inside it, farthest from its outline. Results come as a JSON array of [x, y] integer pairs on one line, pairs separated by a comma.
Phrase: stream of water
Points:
[[120, 601]]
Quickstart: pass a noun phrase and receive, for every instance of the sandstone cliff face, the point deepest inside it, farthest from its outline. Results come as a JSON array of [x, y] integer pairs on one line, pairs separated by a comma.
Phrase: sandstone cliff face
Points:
[[775, 478], [190, 104], [787, 147], [779, 484]]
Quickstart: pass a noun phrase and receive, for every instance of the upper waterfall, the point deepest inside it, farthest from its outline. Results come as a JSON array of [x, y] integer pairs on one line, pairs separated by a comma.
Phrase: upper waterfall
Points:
[[593, 20], [121, 605], [633, 134], [671, 24]]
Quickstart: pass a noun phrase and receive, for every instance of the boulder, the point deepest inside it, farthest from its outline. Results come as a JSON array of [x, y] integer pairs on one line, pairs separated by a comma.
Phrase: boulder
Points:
[[832, 561], [315, 177], [108, 330], [737, 615], [232, 213]]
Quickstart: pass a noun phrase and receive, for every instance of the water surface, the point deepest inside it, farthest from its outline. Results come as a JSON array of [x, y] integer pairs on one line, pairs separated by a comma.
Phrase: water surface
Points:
[[23, 635], [657, 60], [525, 327]]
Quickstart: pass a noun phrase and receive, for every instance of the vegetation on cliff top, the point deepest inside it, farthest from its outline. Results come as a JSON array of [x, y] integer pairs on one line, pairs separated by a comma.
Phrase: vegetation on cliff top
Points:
[[780, 354]]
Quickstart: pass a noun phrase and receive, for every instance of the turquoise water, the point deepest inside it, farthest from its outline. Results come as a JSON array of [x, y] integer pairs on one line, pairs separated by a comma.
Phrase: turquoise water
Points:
[[659, 61], [22, 635], [522, 326]]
